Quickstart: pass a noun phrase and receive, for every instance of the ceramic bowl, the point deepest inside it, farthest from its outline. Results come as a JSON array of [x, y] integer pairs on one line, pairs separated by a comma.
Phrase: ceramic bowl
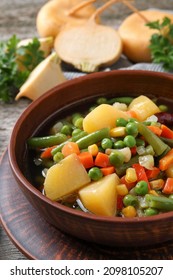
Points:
[[111, 231]]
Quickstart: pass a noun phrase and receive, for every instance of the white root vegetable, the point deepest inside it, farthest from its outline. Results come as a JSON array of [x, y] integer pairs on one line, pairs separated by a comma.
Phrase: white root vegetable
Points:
[[136, 35], [44, 77], [91, 45], [57, 13]]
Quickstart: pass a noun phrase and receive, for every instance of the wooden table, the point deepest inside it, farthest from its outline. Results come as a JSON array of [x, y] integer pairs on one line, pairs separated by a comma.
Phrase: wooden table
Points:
[[18, 17]]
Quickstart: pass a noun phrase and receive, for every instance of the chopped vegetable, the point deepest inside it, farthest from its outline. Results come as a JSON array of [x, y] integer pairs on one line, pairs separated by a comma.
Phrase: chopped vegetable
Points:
[[166, 161]]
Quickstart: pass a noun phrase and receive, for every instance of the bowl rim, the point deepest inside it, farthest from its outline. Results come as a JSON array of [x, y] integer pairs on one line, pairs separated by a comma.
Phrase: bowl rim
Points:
[[22, 179]]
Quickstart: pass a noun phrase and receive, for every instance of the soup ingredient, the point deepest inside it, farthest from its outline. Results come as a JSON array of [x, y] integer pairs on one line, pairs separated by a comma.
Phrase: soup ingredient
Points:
[[57, 184], [161, 43], [90, 45], [135, 44], [100, 197], [102, 116], [159, 202], [56, 13], [44, 77], [46, 141], [143, 107], [11, 77]]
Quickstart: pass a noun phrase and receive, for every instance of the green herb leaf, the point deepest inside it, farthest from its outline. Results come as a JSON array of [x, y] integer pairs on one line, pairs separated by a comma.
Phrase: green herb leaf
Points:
[[11, 75], [161, 43]]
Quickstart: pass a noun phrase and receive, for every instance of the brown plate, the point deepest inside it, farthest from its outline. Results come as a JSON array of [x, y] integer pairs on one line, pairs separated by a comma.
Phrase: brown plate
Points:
[[36, 239]]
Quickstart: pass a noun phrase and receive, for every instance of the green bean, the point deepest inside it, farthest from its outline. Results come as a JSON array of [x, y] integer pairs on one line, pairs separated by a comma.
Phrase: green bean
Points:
[[159, 202], [122, 169], [46, 141], [124, 99], [158, 145], [93, 138], [72, 139], [169, 142]]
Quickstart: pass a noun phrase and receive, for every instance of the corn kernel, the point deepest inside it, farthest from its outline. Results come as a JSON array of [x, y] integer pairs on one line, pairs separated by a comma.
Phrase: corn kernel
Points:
[[129, 211], [153, 192], [118, 131], [122, 189], [131, 175], [157, 184], [93, 149]]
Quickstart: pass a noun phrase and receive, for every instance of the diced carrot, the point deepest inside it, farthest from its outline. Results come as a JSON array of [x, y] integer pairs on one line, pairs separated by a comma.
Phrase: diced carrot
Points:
[[107, 170], [166, 132], [168, 188], [166, 161], [132, 114], [70, 148], [128, 185], [141, 174], [86, 159], [153, 173], [155, 129], [102, 160], [47, 152]]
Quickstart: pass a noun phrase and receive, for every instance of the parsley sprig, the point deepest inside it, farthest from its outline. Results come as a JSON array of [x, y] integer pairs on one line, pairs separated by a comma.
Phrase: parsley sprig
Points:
[[161, 43], [12, 59]]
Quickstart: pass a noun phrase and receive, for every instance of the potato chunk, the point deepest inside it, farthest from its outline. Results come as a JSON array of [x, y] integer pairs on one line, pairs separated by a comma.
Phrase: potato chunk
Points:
[[65, 177], [143, 107], [100, 197], [102, 116]]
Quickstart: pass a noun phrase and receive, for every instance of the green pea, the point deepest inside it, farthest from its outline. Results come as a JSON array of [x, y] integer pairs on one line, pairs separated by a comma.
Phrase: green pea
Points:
[[119, 144], [151, 211], [132, 120], [130, 199], [79, 123], [163, 108], [76, 131], [58, 157], [121, 122], [116, 158], [75, 117], [106, 143], [130, 141], [141, 188], [66, 129], [132, 128], [171, 196], [95, 173], [101, 100], [140, 142]]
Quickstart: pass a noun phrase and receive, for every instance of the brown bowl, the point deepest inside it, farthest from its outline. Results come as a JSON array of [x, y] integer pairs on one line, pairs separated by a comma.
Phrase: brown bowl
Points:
[[114, 231]]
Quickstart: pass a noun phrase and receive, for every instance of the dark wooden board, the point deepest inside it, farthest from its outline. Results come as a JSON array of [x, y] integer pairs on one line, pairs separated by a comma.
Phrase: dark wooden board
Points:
[[37, 239]]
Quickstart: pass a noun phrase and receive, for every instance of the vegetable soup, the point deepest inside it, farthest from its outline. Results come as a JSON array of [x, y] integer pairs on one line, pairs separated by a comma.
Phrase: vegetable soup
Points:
[[113, 159]]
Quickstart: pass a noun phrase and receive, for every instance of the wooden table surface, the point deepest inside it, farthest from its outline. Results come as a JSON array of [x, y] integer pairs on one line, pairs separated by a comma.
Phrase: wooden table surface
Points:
[[18, 17]]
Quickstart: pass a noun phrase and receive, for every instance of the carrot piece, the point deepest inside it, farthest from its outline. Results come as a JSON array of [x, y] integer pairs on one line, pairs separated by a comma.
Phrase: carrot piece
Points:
[[102, 160], [107, 170], [153, 173], [166, 161], [70, 148], [47, 152], [141, 174], [86, 159], [155, 129], [132, 114], [166, 132], [128, 185], [168, 187]]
